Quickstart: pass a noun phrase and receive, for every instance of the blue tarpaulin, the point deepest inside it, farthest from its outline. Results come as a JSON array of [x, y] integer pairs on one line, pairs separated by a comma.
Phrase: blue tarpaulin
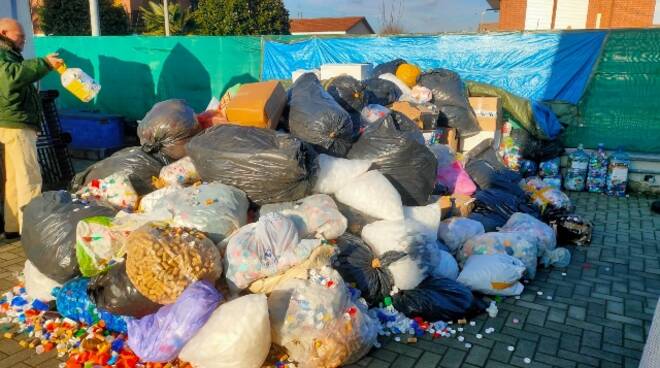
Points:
[[538, 66]]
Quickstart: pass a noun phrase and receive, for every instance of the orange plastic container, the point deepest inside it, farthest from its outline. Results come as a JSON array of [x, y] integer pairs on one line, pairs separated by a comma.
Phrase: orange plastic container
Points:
[[258, 105]]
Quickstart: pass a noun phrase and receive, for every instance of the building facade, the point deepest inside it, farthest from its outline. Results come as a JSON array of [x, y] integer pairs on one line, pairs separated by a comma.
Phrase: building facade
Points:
[[330, 26]]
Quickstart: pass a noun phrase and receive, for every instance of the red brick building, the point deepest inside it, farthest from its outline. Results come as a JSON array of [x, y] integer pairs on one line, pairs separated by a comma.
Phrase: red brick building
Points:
[[574, 14]]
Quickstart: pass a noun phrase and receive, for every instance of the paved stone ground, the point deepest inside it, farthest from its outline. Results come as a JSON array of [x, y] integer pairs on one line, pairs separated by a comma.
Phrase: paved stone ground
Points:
[[599, 314]]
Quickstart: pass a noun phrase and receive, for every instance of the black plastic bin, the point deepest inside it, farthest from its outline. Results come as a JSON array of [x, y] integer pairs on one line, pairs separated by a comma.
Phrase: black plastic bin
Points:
[[52, 150]]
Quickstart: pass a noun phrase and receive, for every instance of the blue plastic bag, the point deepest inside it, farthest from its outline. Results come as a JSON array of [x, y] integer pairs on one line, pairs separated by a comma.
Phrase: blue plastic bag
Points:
[[159, 337], [73, 302]]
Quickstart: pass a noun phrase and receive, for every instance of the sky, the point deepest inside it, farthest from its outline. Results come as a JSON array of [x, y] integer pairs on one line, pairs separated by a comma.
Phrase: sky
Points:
[[419, 16]]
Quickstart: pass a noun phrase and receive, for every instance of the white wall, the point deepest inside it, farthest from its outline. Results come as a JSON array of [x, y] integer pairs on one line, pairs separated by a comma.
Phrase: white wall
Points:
[[571, 14], [538, 14], [20, 10]]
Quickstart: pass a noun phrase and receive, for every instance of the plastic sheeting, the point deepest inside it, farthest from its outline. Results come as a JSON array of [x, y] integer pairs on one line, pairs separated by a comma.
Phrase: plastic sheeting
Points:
[[540, 66]]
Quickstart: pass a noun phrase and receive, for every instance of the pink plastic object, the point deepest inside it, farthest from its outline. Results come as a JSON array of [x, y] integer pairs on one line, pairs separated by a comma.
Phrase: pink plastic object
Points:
[[456, 179]]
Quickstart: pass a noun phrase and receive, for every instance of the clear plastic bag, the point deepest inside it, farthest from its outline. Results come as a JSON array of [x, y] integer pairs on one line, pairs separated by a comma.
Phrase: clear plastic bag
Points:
[[319, 322], [495, 274], [162, 261], [454, 232], [38, 285], [264, 248], [179, 173], [550, 167], [335, 173], [237, 335], [538, 232], [546, 197], [428, 216], [97, 245], [214, 208], [439, 262], [317, 216], [397, 236], [558, 257], [149, 202], [517, 245], [115, 190], [159, 337], [372, 194], [167, 128], [372, 113]]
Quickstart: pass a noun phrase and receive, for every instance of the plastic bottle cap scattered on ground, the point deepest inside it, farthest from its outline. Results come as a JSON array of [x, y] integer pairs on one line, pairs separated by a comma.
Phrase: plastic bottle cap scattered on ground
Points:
[[468, 345], [473, 323], [461, 338], [549, 297], [527, 360], [510, 348], [563, 273], [479, 336], [539, 293], [516, 320]]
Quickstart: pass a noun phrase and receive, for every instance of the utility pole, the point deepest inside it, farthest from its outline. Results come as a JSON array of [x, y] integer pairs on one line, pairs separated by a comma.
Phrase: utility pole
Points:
[[166, 13], [94, 17]]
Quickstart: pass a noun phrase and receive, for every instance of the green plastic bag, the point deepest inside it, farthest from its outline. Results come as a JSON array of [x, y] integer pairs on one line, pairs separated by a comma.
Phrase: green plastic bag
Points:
[[97, 246]]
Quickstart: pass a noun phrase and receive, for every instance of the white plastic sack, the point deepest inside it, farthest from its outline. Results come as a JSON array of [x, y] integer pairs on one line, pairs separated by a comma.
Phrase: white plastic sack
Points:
[[116, 190], [538, 232], [405, 90], [372, 194], [440, 263], [38, 285], [428, 216], [399, 236], [264, 248], [454, 232], [148, 203], [237, 335], [317, 216], [496, 274], [407, 273], [515, 244], [334, 173], [179, 173]]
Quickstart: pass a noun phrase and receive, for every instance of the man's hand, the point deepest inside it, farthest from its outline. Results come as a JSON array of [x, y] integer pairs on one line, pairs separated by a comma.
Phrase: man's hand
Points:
[[54, 61]]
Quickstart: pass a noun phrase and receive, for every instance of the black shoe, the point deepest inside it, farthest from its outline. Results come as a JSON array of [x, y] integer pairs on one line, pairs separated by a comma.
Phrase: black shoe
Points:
[[655, 207], [10, 236]]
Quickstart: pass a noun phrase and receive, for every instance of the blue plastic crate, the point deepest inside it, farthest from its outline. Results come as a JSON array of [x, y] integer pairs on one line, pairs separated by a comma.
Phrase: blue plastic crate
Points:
[[93, 131]]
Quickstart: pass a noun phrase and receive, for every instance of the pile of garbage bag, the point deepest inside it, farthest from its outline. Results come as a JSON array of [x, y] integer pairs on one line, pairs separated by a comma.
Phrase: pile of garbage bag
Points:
[[217, 245]]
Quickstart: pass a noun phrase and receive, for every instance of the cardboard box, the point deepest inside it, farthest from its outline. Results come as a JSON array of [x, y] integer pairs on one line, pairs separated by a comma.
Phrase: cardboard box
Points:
[[442, 135], [257, 104], [488, 111], [422, 114], [469, 143], [357, 71], [455, 205]]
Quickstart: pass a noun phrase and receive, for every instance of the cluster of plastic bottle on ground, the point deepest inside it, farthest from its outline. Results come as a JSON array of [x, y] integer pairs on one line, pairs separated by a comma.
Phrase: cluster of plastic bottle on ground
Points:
[[237, 245]]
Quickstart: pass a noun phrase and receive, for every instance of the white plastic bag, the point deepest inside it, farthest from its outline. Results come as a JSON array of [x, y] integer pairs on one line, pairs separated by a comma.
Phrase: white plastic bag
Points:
[[538, 232], [440, 263], [399, 236], [429, 216], [496, 274], [317, 216], [38, 285], [515, 244], [405, 90], [236, 336], [115, 189], [179, 173], [334, 173], [148, 203], [454, 232], [407, 273], [264, 248], [372, 113], [372, 194]]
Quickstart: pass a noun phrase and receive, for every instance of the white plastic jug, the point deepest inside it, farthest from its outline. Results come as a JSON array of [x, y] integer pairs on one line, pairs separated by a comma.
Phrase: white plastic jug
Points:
[[78, 83]]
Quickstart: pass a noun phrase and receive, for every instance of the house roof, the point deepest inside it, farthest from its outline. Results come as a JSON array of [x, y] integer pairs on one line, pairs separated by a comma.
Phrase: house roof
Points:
[[495, 4], [326, 24]]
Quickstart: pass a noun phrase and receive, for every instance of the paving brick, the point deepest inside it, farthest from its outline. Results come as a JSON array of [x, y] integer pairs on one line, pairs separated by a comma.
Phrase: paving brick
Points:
[[428, 360], [477, 356], [577, 313], [403, 362], [591, 339], [452, 359], [557, 315], [612, 336], [634, 333], [600, 354], [376, 363], [554, 361]]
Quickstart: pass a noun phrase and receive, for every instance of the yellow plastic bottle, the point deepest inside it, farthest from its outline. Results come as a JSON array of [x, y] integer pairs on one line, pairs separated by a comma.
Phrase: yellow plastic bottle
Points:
[[78, 83]]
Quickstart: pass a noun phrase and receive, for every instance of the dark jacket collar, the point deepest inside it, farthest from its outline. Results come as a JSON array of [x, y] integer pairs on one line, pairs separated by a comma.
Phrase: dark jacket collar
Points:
[[8, 45]]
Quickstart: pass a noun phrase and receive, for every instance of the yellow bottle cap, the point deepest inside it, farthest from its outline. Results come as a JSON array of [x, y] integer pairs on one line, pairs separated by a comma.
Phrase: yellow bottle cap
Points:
[[61, 69]]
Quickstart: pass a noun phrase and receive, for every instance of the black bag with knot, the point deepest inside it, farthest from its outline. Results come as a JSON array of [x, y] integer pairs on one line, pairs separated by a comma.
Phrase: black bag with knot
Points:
[[49, 232], [348, 92], [435, 299], [114, 292], [140, 166], [315, 117], [396, 148], [269, 166], [450, 96], [167, 128], [381, 92], [356, 263], [388, 67], [536, 149]]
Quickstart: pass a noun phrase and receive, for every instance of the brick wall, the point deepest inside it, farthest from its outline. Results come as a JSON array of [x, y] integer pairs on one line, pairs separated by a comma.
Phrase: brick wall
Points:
[[621, 13], [512, 14]]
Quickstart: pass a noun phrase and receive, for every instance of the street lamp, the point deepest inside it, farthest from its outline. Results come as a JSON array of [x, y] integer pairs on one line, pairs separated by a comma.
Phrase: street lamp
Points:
[[166, 14], [94, 17]]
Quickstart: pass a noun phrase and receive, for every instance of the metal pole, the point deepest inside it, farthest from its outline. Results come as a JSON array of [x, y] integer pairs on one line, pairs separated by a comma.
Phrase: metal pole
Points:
[[94, 17], [166, 12]]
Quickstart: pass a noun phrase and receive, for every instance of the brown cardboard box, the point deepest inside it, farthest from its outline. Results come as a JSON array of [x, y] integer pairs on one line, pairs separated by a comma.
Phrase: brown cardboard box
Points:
[[257, 104], [455, 205], [442, 135], [424, 115], [469, 143], [488, 111]]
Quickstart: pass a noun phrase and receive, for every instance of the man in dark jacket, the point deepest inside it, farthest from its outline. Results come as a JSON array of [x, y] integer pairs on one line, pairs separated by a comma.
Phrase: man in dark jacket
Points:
[[20, 113]]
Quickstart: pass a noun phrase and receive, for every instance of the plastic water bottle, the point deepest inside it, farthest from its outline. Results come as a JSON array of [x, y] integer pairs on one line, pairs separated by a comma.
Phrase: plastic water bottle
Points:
[[617, 173], [79, 83], [578, 164], [597, 176]]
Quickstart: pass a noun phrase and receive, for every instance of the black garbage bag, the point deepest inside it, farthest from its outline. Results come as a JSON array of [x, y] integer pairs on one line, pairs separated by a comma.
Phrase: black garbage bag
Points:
[[356, 219], [356, 263], [450, 96], [388, 67], [435, 299], [49, 232], [315, 117], [381, 92], [487, 176], [269, 166], [493, 207], [348, 92], [114, 292], [167, 128], [396, 147], [536, 149], [140, 166], [485, 151]]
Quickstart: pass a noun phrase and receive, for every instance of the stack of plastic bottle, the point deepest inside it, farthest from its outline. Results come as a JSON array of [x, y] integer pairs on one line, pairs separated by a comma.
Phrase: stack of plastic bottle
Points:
[[576, 176], [549, 171], [597, 174], [617, 173]]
